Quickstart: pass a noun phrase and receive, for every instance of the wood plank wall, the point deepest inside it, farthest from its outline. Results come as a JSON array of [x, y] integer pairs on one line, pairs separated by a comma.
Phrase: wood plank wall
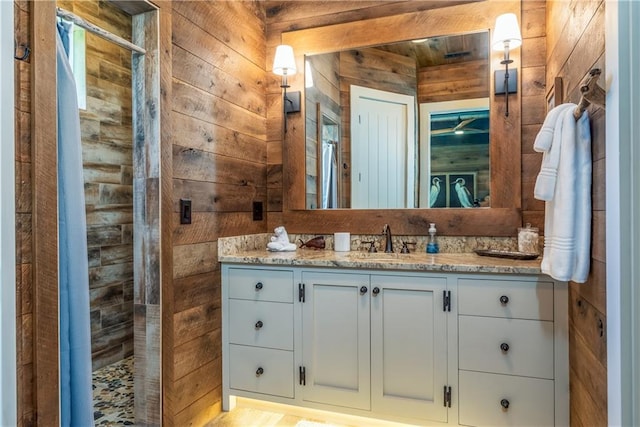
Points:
[[24, 297], [438, 83], [106, 133], [575, 45], [219, 163], [533, 91]]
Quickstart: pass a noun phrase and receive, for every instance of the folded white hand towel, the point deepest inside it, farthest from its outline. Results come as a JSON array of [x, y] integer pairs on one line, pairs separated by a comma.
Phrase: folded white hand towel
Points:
[[548, 142], [545, 136]]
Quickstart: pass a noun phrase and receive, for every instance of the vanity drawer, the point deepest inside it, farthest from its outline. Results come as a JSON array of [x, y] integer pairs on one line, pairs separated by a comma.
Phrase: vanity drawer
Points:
[[261, 285], [530, 400], [260, 323], [506, 298], [528, 346], [276, 377]]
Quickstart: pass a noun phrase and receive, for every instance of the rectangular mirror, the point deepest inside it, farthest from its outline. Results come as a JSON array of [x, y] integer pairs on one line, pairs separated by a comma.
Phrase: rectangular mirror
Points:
[[385, 97], [503, 215]]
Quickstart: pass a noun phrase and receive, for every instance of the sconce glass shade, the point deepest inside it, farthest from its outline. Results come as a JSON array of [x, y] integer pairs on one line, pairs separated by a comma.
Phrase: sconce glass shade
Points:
[[506, 30], [284, 62]]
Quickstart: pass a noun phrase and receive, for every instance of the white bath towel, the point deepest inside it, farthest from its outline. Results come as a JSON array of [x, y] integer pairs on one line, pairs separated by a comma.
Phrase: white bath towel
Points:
[[551, 130], [566, 173]]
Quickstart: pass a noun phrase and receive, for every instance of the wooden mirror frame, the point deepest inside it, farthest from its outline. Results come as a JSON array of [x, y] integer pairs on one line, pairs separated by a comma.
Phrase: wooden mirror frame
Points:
[[504, 215]]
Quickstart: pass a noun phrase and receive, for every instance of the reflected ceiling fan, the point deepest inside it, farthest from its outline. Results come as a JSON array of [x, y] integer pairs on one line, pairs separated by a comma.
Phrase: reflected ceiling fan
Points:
[[462, 127]]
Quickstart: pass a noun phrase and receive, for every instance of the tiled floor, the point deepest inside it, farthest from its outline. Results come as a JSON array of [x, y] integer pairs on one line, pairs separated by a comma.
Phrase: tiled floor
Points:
[[113, 406], [113, 394]]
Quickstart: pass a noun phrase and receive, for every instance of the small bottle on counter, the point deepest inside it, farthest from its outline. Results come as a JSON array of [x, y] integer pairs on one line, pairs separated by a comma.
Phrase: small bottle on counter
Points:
[[432, 246], [528, 239]]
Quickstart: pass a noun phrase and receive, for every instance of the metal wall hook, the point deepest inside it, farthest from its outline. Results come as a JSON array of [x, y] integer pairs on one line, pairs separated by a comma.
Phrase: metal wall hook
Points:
[[26, 51], [591, 93]]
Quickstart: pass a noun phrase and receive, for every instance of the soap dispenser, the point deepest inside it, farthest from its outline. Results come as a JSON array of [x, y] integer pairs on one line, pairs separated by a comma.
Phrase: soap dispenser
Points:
[[432, 246]]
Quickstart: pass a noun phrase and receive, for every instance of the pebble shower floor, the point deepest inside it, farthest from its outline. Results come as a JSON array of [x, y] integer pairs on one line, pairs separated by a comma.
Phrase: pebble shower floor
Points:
[[113, 394]]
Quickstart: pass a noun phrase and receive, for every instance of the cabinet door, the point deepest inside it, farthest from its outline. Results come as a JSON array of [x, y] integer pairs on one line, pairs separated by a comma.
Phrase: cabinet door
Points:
[[335, 349], [408, 347]]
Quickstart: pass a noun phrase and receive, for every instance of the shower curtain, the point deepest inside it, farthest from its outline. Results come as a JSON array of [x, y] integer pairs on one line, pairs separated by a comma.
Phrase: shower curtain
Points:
[[329, 175], [76, 395]]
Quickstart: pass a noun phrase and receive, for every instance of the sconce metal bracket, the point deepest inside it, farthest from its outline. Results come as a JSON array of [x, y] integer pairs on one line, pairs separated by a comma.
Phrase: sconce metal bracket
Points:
[[292, 102], [499, 81]]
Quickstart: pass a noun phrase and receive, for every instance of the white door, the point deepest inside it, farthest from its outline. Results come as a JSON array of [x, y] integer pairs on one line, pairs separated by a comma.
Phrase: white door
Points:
[[408, 347], [382, 149], [335, 348]]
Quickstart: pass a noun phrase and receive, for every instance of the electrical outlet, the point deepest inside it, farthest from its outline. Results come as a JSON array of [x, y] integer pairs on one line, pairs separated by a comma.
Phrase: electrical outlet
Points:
[[258, 211], [185, 211]]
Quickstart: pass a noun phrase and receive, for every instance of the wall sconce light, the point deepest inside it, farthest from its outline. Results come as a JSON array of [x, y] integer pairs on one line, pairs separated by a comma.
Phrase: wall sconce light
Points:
[[284, 64], [506, 36]]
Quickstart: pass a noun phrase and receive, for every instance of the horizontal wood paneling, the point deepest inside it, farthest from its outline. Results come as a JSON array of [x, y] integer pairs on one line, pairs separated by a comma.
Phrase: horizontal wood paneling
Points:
[[575, 44], [219, 162], [440, 83], [533, 87]]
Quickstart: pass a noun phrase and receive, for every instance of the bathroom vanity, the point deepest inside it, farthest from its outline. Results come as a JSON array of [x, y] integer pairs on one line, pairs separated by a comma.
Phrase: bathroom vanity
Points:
[[453, 339]]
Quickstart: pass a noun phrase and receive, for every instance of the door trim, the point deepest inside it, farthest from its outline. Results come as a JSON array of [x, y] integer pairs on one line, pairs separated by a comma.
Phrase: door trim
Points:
[[623, 210], [8, 362]]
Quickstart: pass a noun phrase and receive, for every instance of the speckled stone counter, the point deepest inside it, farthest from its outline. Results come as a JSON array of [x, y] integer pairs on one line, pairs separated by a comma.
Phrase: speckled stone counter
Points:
[[252, 251]]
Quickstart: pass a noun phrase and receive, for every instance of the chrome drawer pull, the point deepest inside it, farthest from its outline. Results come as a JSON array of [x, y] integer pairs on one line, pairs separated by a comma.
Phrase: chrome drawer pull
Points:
[[258, 286], [376, 291], [259, 372], [504, 403], [259, 324], [363, 290], [504, 347], [504, 300]]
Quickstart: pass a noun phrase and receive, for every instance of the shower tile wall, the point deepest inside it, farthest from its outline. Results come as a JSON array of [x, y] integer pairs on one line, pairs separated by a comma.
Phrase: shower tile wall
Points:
[[106, 127]]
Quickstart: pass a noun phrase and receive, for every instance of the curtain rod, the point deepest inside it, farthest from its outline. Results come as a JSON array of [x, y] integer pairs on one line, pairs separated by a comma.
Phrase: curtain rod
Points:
[[99, 31]]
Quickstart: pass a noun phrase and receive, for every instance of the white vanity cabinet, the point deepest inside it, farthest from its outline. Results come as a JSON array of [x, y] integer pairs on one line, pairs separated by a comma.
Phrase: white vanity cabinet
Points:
[[409, 362], [375, 342], [335, 339], [512, 352], [258, 336], [428, 348]]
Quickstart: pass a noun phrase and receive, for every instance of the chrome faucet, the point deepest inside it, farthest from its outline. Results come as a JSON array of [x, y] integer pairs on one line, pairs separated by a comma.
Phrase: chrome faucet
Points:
[[388, 247]]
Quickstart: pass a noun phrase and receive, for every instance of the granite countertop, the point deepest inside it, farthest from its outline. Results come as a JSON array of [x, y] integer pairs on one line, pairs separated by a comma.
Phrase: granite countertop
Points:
[[417, 261]]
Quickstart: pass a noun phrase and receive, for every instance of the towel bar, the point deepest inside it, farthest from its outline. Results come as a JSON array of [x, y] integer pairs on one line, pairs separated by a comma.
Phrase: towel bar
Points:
[[591, 93]]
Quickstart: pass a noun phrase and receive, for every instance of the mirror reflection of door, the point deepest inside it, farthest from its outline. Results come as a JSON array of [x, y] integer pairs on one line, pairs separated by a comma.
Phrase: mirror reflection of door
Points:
[[454, 138], [382, 133]]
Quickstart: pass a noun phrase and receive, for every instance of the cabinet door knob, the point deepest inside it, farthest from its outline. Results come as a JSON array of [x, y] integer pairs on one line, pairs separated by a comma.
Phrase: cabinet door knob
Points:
[[259, 324], [258, 286], [504, 300], [375, 291], [363, 290], [504, 347], [259, 372], [504, 403]]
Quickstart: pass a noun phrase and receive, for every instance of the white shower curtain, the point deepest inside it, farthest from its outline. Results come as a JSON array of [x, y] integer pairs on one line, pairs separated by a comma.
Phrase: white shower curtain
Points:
[[329, 175], [76, 395]]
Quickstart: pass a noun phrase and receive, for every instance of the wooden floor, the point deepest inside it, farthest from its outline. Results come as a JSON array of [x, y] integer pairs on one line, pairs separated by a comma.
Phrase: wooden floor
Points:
[[252, 413], [251, 417]]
